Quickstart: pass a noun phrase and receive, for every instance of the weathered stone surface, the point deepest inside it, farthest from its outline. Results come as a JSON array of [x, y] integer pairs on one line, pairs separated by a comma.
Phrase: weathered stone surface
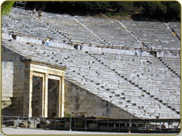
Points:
[[102, 79], [156, 35], [81, 102], [13, 77], [93, 31], [114, 72]]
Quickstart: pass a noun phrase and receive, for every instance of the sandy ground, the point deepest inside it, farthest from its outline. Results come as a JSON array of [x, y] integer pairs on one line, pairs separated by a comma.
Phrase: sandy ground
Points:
[[11, 130], [8, 130]]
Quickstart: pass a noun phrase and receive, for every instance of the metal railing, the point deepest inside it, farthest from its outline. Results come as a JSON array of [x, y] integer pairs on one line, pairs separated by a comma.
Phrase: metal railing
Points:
[[99, 124]]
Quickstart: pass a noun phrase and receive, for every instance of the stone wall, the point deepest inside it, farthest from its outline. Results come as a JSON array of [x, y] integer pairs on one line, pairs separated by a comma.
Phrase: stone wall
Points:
[[7, 75], [79, 101], [12, 82]]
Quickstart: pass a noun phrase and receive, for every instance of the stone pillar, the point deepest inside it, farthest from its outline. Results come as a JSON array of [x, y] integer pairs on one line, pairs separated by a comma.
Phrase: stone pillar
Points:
[[46, 96], [43, 96], [62, 96], [59, 99], [30, 94]]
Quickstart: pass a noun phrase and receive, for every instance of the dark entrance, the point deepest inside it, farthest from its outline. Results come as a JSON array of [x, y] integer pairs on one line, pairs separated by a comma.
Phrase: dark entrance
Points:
[[53, 98], [37, 96]]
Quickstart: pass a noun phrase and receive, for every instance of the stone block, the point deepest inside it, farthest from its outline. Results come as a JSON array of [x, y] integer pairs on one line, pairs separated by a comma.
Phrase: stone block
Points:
[[38, 41], [24, 124], [5, 36], [31, 40], [24, 39]]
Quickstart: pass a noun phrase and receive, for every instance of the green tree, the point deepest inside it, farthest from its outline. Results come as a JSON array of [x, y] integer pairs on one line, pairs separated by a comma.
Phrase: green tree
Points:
[[6, 7], [122, 5], [162, 9], [154, 8], [174, 9]]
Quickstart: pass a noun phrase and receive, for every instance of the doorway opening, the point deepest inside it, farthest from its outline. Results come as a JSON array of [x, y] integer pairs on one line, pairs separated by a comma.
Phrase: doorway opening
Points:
[[37, 96], [53, 98]]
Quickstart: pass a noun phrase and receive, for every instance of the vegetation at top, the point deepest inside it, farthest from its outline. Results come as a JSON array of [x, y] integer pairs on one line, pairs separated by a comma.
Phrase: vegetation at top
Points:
[[138, 10], [6, 7]]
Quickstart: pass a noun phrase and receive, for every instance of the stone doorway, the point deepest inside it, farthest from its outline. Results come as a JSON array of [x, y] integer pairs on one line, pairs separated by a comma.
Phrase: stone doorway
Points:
[[44, 91]]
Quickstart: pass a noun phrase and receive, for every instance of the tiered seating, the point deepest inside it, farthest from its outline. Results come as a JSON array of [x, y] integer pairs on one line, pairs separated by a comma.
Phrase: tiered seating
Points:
[[91, 75], [77, 33], [23, 23], [155, 34], [102, 74], [174, 63], [111, 31], [148, 73], [176, 27]]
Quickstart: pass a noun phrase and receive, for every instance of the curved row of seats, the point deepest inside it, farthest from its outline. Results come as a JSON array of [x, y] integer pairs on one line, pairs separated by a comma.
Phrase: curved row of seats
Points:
[[26, 24], [148, 73], [114, 78], [155, 34], [175, 26], [90, 74], [174, 63], [111, 31], [71, 28]]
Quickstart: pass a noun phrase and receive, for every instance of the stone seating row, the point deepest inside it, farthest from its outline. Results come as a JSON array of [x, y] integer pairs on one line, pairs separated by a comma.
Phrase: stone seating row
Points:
[[173, 63], [110, 30], [142, 83], [39, 23], [65, 61], [34, 31], [135, 61], [176, 27], [79, 76], [155, 36], [152, 65], [159, 28], [77, 31]]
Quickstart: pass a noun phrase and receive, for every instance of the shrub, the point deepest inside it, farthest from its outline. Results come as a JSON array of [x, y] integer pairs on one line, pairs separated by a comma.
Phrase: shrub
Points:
[[67, 115]]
